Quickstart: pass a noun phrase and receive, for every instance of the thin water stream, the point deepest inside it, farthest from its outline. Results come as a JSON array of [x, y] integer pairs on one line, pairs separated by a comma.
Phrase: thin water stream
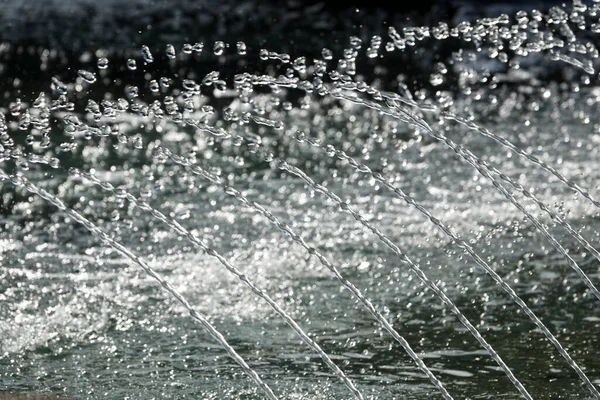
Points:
[[278, 195]]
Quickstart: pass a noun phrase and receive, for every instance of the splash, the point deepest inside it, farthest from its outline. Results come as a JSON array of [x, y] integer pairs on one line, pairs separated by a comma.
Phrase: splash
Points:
[[334, 193]]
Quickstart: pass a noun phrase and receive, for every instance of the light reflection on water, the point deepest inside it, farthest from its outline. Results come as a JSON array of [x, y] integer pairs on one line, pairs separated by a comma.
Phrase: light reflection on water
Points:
[[78, 319]]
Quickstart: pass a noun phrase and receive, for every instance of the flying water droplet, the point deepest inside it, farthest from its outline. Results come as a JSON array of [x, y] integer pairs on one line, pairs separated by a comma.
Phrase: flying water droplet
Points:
[[154, 86], [170, 51], [147, 54], [40, 101], [241, 48], [15, 108], [138, 143], [102, 63], [219, 48], [189, 84], [131, 64], [87, 76], [132, 91], [355, 43], [24, 120], [54, 163], [165, 82], [436, 79], [198, 47], [58, 86]]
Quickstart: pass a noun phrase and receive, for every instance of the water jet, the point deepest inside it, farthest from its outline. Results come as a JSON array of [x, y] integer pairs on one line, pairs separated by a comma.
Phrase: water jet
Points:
[[409, 212]]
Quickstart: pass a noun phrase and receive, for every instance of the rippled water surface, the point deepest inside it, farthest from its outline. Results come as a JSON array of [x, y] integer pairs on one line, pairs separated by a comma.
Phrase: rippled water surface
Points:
[[79, 319]]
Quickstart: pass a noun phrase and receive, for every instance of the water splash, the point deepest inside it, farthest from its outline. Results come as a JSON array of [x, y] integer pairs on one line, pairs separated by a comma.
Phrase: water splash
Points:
[[19, 180], [364, 107]]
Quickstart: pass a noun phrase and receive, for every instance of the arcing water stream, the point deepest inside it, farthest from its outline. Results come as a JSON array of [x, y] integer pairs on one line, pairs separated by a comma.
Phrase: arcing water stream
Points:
[[232, 187]]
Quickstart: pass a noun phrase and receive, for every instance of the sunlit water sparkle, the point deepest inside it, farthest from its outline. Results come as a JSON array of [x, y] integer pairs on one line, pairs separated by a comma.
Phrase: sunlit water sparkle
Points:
[[79, 319]]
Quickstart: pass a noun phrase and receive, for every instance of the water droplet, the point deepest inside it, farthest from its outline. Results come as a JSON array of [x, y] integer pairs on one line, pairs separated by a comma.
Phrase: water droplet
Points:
[[237, 140], [40, 101], [189, 85], [372, 52], [147, 55], [219, 48], [154, 86], [436, 79], [330, 150], [220, 85], [24, 121], [131, 64], [54, 162], [253, 148], [198, 47], [187, 48], [355, 42], [132, 91], [165, 82], [299, 65], [15, 107], [58, 86], [300, 136], [188, 106], [241, 48], [170, 51], [210, 78], [208, 109], [102, 63], [87, 76]]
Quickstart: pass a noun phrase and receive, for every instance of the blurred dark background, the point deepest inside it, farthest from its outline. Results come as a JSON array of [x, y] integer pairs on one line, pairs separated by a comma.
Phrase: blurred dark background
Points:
[[55, 38], [119, 24]]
